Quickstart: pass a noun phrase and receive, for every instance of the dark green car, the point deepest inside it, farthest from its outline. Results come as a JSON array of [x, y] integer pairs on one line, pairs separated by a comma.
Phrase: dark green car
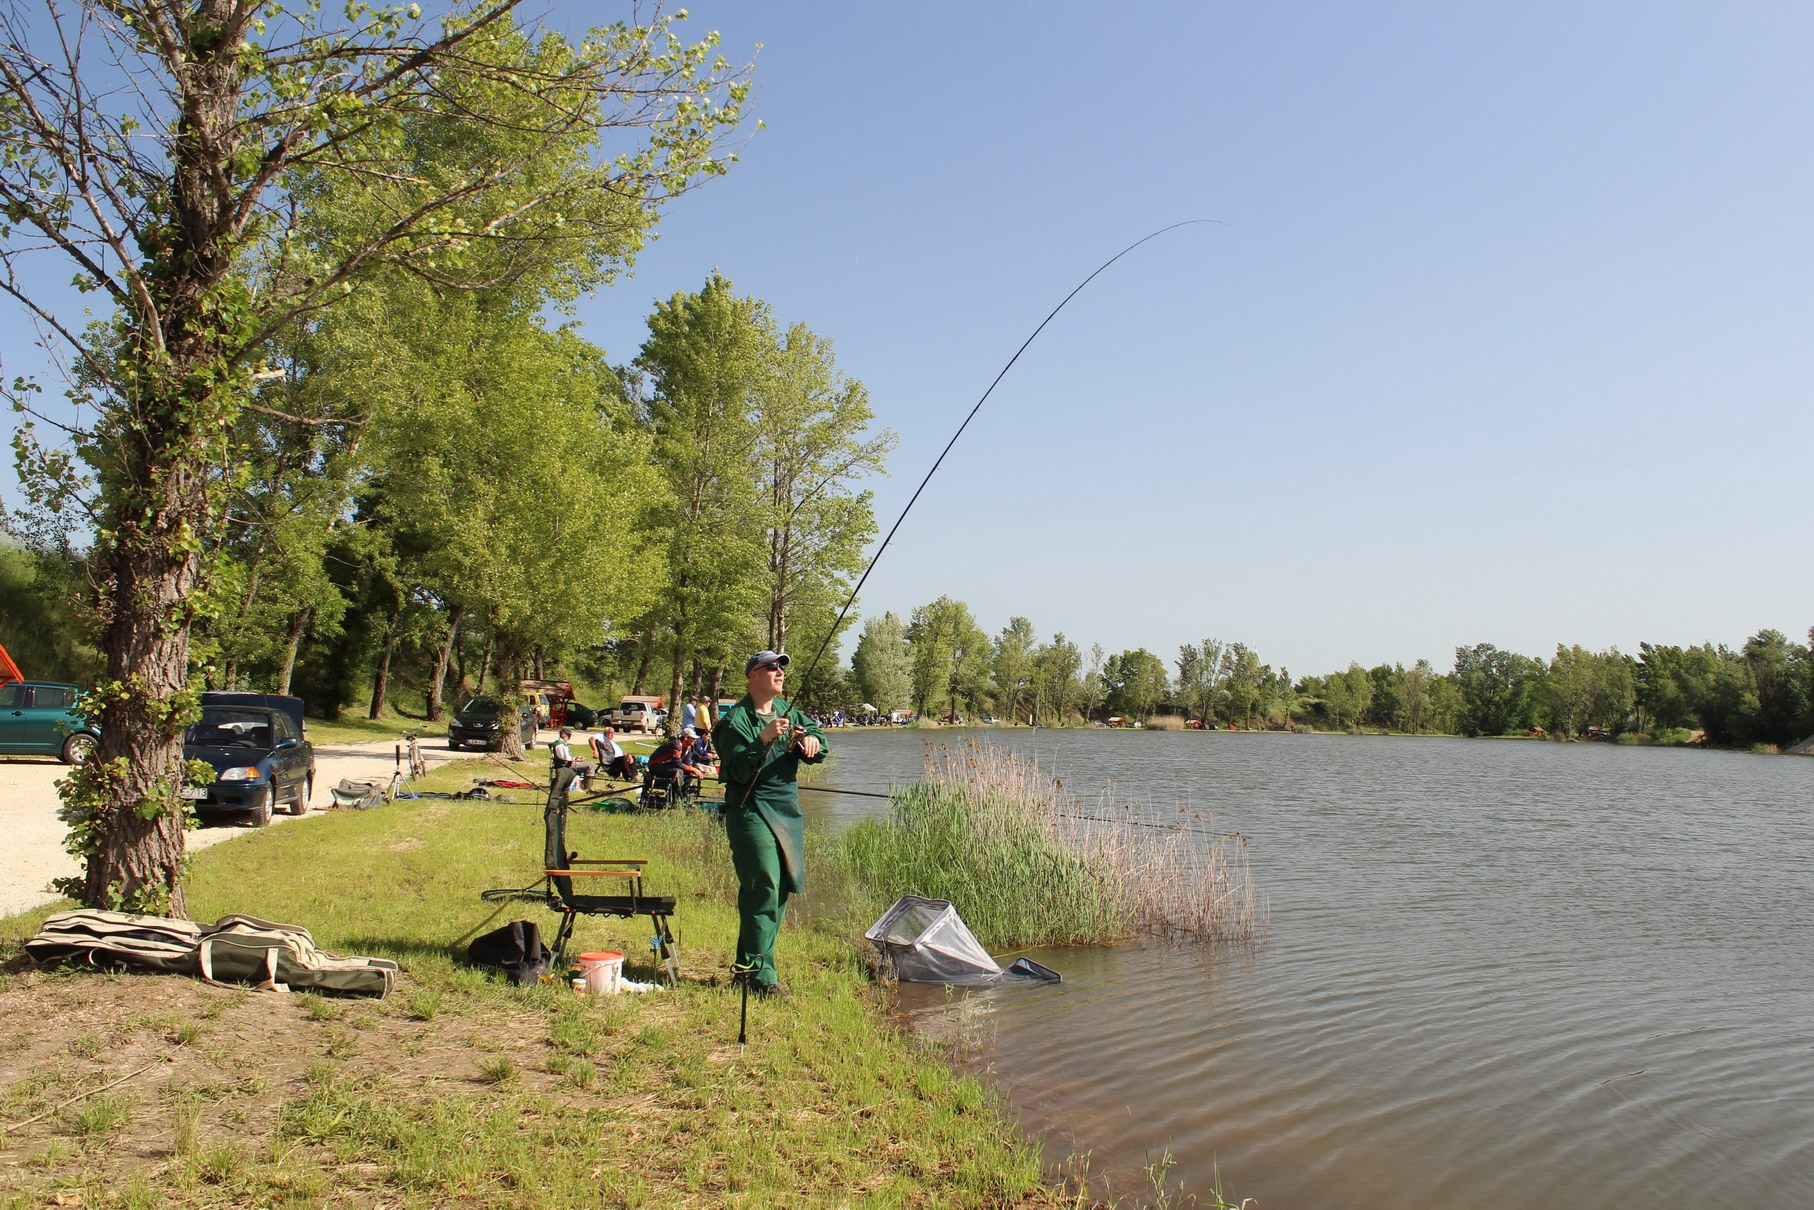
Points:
[[39, 718]]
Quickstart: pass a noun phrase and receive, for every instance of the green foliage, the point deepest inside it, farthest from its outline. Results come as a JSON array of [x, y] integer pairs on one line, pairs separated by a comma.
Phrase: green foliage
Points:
[[882, 666], [1584, 690], [950, 658], [43, 600], [1058, 688], [1498, 690], [1135, 682]]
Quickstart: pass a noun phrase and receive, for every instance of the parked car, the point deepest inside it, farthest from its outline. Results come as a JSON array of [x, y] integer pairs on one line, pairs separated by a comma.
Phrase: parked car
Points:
[[637, 713], [40, 718], [476, 725], [260, 755]]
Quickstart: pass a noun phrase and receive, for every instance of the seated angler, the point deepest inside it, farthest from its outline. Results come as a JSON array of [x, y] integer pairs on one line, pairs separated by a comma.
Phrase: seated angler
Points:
[[613, 761], [667, 762]]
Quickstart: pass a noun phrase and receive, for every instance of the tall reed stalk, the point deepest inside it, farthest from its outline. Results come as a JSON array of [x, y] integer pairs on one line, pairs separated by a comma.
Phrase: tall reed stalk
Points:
[[1028, 863]]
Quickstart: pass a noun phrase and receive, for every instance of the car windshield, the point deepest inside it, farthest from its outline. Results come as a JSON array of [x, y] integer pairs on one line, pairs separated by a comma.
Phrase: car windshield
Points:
[[480, 705], [224, 728]]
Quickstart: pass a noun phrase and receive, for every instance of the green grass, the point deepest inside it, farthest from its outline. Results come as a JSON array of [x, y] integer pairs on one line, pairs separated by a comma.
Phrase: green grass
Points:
[[464, 1091], [351, 730]]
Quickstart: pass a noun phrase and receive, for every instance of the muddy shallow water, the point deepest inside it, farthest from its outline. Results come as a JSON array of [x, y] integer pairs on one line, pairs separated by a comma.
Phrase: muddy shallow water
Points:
[[1498, 974]]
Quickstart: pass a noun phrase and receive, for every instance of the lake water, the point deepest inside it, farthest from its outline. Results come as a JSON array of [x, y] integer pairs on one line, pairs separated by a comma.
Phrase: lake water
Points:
[[1498, 975]]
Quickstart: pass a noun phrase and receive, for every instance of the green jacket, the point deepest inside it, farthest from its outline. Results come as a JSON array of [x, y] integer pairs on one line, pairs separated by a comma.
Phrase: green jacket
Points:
[[742, 758]]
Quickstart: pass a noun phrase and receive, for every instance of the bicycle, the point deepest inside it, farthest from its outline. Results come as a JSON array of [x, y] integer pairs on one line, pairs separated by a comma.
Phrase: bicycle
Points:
[[401, 781]]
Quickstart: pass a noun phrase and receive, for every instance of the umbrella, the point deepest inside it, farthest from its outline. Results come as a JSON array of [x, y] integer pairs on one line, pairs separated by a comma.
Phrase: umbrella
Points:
[[869, 709]]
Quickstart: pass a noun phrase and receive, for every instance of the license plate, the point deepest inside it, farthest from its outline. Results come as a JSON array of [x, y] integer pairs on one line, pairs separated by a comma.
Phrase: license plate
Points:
[[197, 793]]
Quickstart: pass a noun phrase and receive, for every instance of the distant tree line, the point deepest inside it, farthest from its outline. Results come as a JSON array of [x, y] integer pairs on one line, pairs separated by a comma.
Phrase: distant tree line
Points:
[[941, 664]]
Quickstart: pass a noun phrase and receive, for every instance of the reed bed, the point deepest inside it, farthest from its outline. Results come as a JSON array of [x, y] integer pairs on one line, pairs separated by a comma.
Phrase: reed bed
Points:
[[1166, 722], [1029, 863]]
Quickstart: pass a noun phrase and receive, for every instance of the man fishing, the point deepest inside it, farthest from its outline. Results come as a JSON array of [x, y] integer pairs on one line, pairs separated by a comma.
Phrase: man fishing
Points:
[[760, 746]]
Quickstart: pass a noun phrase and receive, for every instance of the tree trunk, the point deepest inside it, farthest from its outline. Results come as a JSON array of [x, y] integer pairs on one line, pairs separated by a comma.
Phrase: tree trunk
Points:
[[717, 691], [540, 672], [381, 678], [642, 668], [677, 687], [437, 711], [297, 626], [485, 658], [136, 862], [510, 745]]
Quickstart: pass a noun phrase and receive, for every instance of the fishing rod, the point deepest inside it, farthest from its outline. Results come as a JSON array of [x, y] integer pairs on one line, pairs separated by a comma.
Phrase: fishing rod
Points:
[[1133, 823], [806, 680]]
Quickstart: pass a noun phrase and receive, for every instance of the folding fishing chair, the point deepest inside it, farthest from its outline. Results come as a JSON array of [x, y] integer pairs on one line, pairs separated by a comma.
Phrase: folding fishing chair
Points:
[[560, 868], [664, 788]]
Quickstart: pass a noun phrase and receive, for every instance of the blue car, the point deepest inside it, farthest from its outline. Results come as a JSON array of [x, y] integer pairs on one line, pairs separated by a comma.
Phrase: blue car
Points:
[[39, 718], [260, 754]]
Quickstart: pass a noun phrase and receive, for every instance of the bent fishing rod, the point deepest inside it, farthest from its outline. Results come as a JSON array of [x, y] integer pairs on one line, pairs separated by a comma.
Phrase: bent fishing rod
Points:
[[788, 717], [806, 680]]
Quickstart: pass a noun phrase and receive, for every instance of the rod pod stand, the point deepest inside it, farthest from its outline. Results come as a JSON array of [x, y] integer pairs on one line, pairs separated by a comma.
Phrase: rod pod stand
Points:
[[741, 976]]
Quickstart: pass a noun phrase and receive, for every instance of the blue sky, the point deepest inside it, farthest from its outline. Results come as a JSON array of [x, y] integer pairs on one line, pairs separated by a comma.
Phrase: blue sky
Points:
[[1505, 338]]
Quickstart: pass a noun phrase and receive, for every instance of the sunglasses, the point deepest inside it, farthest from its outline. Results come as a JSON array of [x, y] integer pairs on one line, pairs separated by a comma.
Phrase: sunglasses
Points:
[[771, 668]]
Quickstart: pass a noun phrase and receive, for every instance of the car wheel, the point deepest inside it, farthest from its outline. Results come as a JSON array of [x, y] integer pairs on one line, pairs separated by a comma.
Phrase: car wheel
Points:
[[300, 804], [77, 749], [261, 810]]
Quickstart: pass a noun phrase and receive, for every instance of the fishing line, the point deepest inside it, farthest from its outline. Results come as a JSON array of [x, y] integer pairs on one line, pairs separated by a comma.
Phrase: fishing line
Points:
[[806, 680], [1132, 823]]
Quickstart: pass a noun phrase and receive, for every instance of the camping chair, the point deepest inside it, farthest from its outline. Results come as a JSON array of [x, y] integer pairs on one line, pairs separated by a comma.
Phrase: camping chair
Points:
[[665, 787], [560, 868]]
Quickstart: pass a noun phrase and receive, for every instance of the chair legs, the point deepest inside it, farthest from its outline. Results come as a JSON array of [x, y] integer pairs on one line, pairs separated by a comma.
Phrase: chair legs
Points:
[[663, 947]]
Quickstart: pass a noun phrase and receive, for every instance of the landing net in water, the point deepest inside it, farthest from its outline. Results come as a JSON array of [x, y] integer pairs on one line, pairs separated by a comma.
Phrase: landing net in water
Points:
[[928, 942]]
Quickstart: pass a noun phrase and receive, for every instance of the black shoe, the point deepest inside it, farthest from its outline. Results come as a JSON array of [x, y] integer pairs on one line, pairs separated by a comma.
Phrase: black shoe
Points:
[[769, 991]]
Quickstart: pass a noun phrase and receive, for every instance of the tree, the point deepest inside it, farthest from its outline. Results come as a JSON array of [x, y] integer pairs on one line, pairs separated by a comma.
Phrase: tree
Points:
[[1201, 669], [166, 151], [1013, 666], [702, 371], [1347, 696], [882, 666], [1497, 688], [1416, 689], [811, 420], [1136, 683], [1245, 684], [1777, 667], [1058, 690], [1091, 688], [950, 656]]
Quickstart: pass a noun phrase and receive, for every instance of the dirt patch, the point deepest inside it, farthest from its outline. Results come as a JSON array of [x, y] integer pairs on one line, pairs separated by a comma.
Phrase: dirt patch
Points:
[[202, 1064]]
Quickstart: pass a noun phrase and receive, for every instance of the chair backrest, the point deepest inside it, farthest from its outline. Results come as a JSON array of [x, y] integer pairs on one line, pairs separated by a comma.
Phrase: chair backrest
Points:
[[554, 824]]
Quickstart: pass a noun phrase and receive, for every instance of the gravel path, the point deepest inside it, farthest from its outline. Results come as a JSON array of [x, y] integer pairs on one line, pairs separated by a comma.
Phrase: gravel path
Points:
[[33, 853]]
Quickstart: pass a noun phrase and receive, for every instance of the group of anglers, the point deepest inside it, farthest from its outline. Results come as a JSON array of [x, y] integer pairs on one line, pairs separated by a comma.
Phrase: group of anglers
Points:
[[681, 760], [760, 743]]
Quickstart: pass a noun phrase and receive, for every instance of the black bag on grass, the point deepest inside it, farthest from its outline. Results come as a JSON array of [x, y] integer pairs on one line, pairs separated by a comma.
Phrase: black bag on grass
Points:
[[516, 949]]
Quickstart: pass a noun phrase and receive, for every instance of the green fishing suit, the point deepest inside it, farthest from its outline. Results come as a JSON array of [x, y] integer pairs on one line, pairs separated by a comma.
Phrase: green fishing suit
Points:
[[767, 832]]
